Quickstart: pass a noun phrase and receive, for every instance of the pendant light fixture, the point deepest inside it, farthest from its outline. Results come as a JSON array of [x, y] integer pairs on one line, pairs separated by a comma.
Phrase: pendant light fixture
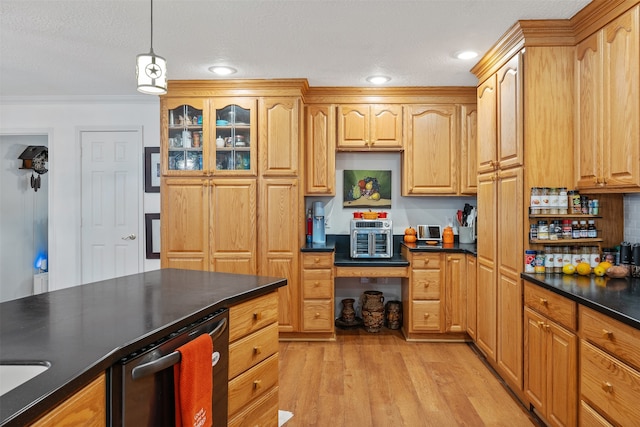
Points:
[[151, 70]]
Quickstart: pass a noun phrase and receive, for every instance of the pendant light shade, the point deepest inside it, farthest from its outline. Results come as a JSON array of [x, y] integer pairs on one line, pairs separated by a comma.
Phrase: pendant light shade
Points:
[[151, 70]]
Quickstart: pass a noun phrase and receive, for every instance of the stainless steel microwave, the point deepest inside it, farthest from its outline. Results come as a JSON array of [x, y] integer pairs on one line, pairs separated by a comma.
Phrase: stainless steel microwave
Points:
[[371, 238]]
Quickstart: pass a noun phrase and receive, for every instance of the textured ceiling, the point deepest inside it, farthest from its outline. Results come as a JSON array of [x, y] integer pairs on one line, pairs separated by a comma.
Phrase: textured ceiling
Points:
[[88, 47]]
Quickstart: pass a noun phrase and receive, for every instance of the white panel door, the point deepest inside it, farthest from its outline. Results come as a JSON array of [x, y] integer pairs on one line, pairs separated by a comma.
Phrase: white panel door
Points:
[[110, 204]]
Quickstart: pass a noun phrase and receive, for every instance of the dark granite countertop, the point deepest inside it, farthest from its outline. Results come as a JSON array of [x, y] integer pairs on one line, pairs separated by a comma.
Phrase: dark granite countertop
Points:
[[83, 330], [339, 243], [616, 298]]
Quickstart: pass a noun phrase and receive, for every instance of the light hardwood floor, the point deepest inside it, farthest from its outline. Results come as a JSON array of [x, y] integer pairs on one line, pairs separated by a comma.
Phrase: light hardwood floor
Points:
[[366, 379]]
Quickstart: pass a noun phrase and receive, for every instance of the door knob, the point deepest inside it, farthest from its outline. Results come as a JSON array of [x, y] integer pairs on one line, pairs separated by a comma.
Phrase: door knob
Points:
[[129, 237]]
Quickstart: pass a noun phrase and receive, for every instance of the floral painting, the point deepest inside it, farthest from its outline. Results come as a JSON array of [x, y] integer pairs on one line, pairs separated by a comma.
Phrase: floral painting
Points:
[[367, 189]]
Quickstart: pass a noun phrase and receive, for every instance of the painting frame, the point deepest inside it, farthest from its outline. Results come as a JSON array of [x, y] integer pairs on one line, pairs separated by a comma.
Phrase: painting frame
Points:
[[366, 189], [152, 235], [152, 170]]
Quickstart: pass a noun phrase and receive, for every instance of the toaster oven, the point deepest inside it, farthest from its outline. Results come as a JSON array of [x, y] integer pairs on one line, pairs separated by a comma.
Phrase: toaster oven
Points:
[[371, 238]]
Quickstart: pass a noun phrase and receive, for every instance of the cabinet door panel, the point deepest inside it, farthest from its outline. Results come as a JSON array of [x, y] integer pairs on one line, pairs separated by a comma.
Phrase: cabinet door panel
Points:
[[535, 373], [353, 125], [510, 145], [472, 308], [588, 150], [487, 125], [562, 371], [280, 129], [622, 100], [469, 150], [510, 217], [430, 157], [234, 225], [278, 243], [426, 316], [486, 313], [320, 161], [185, 223], [386, 126], [456, 294]]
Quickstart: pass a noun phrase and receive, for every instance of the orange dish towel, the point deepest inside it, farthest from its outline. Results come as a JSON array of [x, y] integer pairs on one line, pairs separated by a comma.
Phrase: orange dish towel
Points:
[[194, 384]]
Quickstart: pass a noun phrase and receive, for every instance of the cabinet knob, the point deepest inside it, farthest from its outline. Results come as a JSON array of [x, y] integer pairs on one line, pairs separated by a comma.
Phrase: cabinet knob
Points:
[[426, 284], [257, 384], [540, 323], [607, 334], [607, 387], [316, 260], [426, 315], [543, 301], [257, 316], [257, 350], [317, 315]]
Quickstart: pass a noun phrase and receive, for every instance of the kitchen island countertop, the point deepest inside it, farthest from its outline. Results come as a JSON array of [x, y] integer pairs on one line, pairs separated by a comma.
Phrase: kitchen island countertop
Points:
[[83, 330]]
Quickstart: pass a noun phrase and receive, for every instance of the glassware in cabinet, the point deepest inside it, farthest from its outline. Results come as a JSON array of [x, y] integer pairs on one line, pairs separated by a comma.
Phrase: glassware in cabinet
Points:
[[235, 135], [185, 137]]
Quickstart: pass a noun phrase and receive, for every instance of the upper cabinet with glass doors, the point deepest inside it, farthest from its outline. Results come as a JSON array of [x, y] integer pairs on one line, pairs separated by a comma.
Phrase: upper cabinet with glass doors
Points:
[[184, 132], [235, 139], [209, 136]]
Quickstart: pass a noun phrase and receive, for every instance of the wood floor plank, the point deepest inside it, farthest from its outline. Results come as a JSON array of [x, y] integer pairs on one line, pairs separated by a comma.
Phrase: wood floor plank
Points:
[[379, 379]]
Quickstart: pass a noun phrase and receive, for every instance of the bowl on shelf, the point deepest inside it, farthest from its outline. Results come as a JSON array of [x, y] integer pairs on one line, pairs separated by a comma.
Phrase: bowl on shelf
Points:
[[222, 122]]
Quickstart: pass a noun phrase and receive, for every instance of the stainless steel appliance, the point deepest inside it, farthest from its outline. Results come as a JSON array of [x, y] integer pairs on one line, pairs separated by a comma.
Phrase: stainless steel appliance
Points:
[[371, 238], [142, 386]]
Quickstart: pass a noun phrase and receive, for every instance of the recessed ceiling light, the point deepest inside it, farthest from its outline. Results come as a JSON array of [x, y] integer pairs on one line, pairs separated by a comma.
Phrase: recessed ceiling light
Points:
[[222, 70], [466, 54], [378, 80]]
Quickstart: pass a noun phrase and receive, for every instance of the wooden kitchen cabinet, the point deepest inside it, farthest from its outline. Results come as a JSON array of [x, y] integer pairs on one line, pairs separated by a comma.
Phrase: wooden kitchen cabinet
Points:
[[609, 370], [87, 407], [369, 127], [317, 292], [280, 127], [423, 294], [469, 149], [551, 355], [320, 155], [253, 362], [197, 239], [607, 152], [431, 160], [234, 120], [455, 288], [472, 295], [500, 108], [279, 243], [179, 118]]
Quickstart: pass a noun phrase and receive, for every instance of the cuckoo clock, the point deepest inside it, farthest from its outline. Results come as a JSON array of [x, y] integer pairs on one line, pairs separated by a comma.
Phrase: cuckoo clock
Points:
[[35, 157]]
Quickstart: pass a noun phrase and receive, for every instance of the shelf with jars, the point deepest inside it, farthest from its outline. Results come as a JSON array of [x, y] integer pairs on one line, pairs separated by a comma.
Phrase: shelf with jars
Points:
[[185, 138], [234, 137], [564, 229]]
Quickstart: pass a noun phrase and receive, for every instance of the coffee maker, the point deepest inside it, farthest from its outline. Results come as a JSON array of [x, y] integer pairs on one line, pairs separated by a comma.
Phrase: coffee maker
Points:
[[318, 233]]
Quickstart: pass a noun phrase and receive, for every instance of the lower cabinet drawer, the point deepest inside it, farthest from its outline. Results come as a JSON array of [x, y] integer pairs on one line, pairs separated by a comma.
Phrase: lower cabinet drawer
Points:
[[609, 385], [252, 349], [426, 316], [252, 384], [589, 417], [426, 284], [317, 315], [317, 284], [263, 412], [249, 316]]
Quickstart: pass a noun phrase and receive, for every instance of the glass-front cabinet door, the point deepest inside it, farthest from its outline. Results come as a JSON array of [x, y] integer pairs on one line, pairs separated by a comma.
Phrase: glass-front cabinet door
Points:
[[185, 136], [235, 136]]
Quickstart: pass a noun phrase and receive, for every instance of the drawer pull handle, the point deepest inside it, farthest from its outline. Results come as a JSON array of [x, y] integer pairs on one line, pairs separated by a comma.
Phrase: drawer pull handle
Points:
[[426, 284], [316, 283], [317, 315], [316, 260], [257, 350], [257, 316], [607, 334], [543, 301], [426, 315], [607, 387], [257, 384]]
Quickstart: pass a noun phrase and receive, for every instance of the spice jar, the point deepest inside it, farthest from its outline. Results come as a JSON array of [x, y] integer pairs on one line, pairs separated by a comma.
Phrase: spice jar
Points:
[[575, 205], [535, 200], [549, 259], [543, 230], [544, 200], [554, 201], [563, 202], [558, 259]]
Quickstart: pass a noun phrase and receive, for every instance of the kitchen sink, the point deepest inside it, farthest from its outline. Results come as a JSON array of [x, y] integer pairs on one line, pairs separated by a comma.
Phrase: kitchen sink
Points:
[[14, 374]]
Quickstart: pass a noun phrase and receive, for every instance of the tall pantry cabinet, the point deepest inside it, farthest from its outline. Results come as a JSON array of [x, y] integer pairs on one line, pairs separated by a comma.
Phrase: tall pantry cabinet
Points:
[[525, 137], [234, 203]]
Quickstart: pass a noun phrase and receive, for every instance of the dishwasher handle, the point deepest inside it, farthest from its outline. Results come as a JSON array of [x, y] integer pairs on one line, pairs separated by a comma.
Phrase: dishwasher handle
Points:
[[171, 359]]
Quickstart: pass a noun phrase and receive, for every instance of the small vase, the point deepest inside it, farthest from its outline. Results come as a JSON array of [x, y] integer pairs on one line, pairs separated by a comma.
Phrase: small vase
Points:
[[393, 314], [348, 314], [373, 310]]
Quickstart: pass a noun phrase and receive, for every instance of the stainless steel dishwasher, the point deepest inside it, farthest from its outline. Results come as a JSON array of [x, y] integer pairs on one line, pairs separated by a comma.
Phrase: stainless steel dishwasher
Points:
[[141, 384]]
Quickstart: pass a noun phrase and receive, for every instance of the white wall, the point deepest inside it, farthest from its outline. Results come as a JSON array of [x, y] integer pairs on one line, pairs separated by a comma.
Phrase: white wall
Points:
[[23, 218], [61, 119]]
